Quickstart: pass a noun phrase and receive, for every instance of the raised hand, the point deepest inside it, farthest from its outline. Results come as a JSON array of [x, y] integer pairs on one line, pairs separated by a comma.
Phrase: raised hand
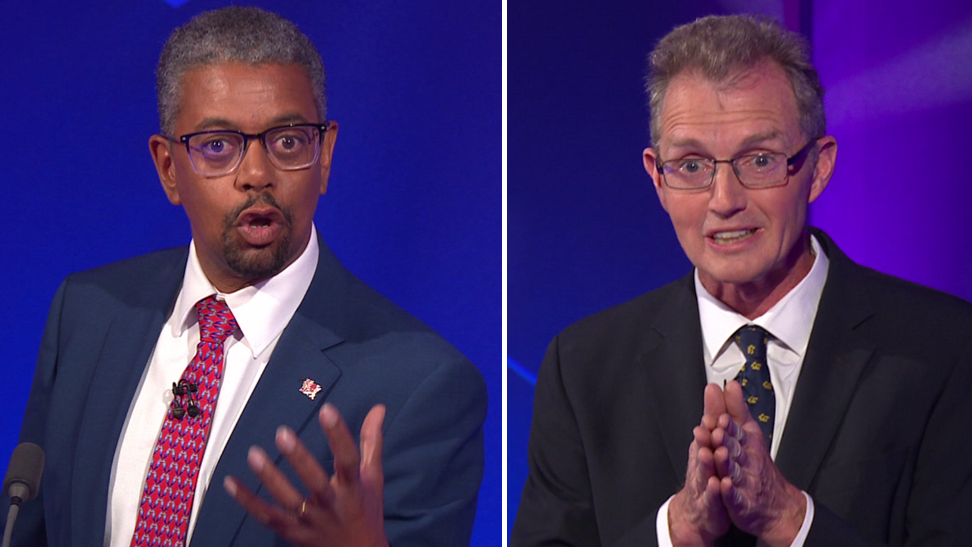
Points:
[[756, 496], [342, 510], [696, 515]]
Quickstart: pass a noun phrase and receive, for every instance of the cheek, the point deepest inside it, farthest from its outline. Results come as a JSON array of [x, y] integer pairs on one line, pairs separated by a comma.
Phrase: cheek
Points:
[[687, 214]]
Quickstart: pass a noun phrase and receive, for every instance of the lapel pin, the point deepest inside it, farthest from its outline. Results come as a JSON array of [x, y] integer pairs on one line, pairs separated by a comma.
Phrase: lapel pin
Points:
[[310, 388]]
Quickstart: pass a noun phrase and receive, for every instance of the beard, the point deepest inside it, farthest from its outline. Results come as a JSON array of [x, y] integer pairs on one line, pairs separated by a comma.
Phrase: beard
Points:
[[262, 262]]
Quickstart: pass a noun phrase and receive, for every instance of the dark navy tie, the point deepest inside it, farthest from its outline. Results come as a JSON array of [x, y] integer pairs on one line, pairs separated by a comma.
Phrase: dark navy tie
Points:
[[754, 377]]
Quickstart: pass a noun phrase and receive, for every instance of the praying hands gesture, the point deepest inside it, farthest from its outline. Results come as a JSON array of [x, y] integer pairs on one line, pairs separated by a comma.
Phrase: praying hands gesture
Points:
[[732, 479], [342, 510]]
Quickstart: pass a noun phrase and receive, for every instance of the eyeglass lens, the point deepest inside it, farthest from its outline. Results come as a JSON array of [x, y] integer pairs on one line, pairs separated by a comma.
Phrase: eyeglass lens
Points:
[[219, 152]]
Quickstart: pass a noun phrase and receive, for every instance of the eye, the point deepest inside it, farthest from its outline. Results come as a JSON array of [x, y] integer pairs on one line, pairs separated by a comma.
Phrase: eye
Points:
[[762, 161], [289, 141], [216, 145], [691, 166]]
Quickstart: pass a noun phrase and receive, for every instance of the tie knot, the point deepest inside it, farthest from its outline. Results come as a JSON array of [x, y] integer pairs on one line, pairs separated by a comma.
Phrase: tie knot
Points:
[[216, 321], [752, 339]]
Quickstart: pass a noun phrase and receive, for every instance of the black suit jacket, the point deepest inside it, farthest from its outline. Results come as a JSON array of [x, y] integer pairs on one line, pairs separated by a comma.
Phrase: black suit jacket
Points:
[[361, 348], [877, 433]]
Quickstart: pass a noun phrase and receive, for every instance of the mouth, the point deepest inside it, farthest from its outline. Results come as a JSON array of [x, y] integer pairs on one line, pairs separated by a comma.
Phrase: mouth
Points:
[[732, 236], [260, 226]]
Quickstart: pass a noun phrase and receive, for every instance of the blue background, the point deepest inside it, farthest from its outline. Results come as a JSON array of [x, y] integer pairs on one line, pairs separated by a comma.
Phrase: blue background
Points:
[[585, 229], [413, 205]]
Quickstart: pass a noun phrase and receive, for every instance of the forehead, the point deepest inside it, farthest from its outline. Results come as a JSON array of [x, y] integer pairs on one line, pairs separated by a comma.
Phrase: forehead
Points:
[[244, 97], [755, 105]]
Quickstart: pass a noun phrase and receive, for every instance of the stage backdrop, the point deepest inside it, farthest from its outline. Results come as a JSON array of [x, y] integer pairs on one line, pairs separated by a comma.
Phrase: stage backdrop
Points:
[[413, 205], [585, 229]]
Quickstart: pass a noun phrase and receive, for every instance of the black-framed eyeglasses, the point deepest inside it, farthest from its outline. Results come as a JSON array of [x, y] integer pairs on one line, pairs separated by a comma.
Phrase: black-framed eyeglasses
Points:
[[220, 152], [760, 170]]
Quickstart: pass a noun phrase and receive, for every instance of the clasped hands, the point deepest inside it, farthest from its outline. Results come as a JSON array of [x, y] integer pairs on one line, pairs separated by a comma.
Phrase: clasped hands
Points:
[[731, 478], [343, 510]]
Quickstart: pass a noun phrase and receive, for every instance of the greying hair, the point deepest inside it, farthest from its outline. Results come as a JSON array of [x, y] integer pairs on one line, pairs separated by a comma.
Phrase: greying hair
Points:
[[234, 34], [721, 48]]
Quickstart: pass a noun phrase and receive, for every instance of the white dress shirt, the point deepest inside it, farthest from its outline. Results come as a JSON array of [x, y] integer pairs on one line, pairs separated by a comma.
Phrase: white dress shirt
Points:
[[789, 323], [261, 311]]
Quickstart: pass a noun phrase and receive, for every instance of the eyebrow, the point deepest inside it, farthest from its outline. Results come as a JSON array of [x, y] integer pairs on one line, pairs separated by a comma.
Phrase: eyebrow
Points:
[[222, 123], [751, 140]]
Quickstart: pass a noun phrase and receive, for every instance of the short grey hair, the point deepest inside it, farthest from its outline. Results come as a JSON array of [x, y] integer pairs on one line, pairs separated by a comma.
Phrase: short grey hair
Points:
[[722, 47], [235, 34]]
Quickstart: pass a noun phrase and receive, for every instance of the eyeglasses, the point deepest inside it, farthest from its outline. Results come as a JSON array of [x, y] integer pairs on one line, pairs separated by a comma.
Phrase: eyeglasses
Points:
[[289, 147], [762, 170]]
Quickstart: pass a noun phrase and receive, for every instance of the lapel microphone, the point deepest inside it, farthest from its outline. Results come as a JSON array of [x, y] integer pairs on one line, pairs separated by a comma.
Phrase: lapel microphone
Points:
[[184, 391], [22, 481]]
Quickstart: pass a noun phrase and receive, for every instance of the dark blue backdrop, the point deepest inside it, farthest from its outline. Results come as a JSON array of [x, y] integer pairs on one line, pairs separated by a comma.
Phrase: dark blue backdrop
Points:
[[585, 230], [413, 205]]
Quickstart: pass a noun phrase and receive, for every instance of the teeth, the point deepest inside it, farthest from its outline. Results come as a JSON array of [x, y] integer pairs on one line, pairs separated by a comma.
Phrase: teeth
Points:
[[730, 237]]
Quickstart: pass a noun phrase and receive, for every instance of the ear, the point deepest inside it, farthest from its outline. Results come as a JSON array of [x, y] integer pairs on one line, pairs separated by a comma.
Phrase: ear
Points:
[[327, 153], [161, 150], [824, 167], [651, 167]]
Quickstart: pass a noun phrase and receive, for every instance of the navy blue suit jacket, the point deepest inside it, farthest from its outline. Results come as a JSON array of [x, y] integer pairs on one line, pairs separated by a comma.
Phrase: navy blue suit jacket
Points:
[[361, 348], [877, 432]]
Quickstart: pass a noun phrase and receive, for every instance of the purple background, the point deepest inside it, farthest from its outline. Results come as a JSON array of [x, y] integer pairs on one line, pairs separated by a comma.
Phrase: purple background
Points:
[[413, 205], [585, 230]]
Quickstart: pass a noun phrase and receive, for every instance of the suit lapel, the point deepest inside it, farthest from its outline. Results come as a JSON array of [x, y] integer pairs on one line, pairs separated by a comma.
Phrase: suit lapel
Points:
[[125, 352], [674, 372], [277, 400], [836, 357]]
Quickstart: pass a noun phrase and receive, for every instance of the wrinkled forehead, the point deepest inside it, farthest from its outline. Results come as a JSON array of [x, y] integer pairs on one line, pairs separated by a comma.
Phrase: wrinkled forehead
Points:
[[750, 101]]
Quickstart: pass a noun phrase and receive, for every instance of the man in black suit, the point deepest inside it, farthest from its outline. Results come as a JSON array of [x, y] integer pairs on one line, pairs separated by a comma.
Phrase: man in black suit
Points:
[[245, 148], [857, 380]]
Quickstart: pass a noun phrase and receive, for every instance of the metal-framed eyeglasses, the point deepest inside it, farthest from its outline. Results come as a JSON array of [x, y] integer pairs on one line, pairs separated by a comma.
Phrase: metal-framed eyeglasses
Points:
[[760, 170], [220, 152]]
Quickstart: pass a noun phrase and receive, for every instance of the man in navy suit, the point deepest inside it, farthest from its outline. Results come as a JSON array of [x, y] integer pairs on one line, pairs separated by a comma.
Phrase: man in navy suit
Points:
[[245, 149], [856, 432]]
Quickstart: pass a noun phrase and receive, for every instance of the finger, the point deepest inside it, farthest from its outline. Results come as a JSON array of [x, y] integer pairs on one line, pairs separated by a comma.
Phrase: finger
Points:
[[733, 497], [713, 404], [718, 436], [274, 517], [703, 437], [346, 458], [735, 403], [304, 463], [712, 491], [735, 450], [722, 461], [275, 481], [706, 467], [371, 446], [732, 429]]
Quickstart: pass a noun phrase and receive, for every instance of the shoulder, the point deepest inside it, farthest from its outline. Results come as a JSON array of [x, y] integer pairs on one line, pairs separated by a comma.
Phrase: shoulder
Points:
[[899, 304], [139, 272], [145, 281], [631, 324], [379, 338], [856, 291], [902, 321]]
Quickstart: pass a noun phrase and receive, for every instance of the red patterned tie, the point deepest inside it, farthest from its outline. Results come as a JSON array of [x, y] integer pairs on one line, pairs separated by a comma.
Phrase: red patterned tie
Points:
[[163, 516]]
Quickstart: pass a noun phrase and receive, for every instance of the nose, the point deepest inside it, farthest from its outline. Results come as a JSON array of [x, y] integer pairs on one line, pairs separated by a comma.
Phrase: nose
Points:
[[728, 194], [255, 172]]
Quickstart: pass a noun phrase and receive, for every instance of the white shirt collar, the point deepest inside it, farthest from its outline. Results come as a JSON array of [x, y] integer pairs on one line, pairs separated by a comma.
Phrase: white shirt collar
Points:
[[261, 310], [789, 320]]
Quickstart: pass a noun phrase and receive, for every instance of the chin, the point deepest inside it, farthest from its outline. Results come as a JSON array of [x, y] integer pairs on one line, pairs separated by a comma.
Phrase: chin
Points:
[[258, 263], [733, 274]]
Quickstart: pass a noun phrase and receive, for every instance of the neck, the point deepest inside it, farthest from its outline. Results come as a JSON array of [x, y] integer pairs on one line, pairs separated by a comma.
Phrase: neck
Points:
[[754, 298]]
